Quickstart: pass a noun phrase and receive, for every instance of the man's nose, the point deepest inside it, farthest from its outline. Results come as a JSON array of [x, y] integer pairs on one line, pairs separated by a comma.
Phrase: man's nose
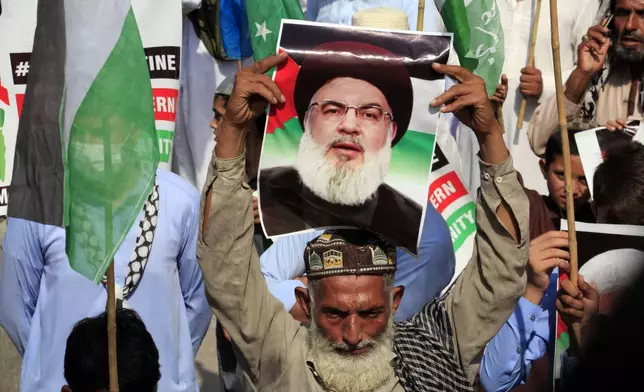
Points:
[[350, 122], [633, 22], [213, 125], [352, 335], [577, 189]]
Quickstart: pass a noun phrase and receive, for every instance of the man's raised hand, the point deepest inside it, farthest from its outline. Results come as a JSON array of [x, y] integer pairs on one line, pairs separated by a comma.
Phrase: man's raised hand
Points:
[[468, 100], [577, 304], [593, 51], [545, 255], [501, 91], [253, 90]]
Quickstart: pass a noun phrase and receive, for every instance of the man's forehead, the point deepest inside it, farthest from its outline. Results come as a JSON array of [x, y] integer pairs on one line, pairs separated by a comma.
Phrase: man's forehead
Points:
[[349, 89], [630, 4], [345, 287]]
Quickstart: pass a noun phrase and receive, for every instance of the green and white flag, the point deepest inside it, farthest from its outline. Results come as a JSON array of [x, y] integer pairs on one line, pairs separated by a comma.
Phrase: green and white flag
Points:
[[264, 20], [478, 36], [87, 148]]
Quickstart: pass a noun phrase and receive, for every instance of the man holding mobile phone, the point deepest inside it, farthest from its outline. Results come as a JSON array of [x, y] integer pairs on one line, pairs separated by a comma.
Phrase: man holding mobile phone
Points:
[[606, 87]]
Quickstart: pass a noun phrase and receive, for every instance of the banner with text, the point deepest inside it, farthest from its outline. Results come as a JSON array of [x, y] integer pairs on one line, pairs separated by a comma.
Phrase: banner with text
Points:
[[452, 200], [160, 25]]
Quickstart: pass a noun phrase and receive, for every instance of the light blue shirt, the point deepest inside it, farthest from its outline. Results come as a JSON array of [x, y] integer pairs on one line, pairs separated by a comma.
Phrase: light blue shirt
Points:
[[341, 11], [41, 297], [424, 277], [524, 338]]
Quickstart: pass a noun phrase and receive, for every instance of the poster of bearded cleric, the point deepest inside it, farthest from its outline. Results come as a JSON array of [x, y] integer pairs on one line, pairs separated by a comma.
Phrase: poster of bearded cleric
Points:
[[352, 144]]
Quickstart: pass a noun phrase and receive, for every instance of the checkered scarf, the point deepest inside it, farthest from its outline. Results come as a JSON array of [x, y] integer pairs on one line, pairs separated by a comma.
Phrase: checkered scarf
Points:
[[426, 356]]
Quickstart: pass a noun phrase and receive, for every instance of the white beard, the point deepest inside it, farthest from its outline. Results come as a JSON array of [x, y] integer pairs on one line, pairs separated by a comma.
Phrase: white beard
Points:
[[339, 183], [346, 373]]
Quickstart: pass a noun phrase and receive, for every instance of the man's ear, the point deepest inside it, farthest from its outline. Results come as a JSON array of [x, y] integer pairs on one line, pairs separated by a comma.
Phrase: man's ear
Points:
[[544, 168], [394, 129], [397, 293], [66, 388], [303, 299]]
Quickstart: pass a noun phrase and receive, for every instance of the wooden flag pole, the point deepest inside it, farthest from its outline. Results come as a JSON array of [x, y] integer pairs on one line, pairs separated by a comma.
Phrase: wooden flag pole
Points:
[[111, 329], [420, 19], [570, 203], [111, 286], [533, 42]]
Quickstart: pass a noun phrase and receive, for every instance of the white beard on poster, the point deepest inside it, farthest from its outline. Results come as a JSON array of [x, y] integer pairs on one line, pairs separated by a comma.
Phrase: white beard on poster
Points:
[[341, 185]]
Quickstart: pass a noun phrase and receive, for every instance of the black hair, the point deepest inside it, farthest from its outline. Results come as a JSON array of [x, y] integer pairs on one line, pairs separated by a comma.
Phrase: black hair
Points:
[[554, 147], [86, 358], [619, 184]]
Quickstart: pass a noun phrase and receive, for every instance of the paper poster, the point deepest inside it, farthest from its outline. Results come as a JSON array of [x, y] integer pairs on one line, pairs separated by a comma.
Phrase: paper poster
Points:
[[160, 24], [352, 144], [609, 256], [592, 145]]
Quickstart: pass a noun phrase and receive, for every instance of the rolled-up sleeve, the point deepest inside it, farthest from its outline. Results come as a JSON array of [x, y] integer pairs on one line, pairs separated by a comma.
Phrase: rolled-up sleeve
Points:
[[486, 293]]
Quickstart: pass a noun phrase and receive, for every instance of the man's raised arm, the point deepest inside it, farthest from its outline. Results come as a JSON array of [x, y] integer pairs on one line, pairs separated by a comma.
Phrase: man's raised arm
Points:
[[487, 291], [258, 325]]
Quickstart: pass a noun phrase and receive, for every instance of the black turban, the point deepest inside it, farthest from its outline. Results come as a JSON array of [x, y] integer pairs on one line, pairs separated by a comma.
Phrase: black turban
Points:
[[373, 64]]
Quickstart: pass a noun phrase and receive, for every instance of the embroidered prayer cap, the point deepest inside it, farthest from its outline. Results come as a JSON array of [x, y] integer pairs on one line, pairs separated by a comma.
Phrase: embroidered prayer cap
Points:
[[358, 60], [349, 252]]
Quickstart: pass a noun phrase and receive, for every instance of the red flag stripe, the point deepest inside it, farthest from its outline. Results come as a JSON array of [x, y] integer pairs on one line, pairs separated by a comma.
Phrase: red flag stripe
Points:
[[4, 94], [285, 79], [445, 190]]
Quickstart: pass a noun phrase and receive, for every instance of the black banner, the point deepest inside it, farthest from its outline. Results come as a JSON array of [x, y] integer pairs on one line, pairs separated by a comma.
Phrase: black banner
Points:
[[439, 161], [164, 62], [20, 64]]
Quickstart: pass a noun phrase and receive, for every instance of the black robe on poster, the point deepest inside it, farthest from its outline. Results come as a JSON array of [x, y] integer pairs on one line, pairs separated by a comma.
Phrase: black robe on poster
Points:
[[288, 206]]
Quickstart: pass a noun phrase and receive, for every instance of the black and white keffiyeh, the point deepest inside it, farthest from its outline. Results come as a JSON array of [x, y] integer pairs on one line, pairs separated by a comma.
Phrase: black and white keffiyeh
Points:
[[588, 111], [143, 246], [426, 356]]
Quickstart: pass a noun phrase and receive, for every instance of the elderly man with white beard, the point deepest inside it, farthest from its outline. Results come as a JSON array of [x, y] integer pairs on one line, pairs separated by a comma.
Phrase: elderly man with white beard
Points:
[[352, 343], [353, 110]]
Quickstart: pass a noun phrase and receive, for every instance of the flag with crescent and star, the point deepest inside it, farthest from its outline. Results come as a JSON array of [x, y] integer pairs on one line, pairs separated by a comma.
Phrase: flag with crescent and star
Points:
[[264, 20]]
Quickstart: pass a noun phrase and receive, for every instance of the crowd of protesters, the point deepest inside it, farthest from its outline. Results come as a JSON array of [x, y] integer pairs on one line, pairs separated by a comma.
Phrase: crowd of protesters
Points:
[[383, 320]]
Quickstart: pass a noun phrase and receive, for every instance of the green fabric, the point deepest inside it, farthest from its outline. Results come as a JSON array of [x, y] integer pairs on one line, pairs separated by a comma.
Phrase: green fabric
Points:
[[112, 156], [268, 14], [462, 224], [478, 37]]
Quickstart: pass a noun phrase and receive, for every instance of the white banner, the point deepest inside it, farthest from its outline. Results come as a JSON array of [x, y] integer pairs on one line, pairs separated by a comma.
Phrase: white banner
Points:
[[160, 22]]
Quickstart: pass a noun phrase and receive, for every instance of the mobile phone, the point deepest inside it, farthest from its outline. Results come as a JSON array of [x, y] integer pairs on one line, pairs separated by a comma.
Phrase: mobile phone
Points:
[[607, 19]]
